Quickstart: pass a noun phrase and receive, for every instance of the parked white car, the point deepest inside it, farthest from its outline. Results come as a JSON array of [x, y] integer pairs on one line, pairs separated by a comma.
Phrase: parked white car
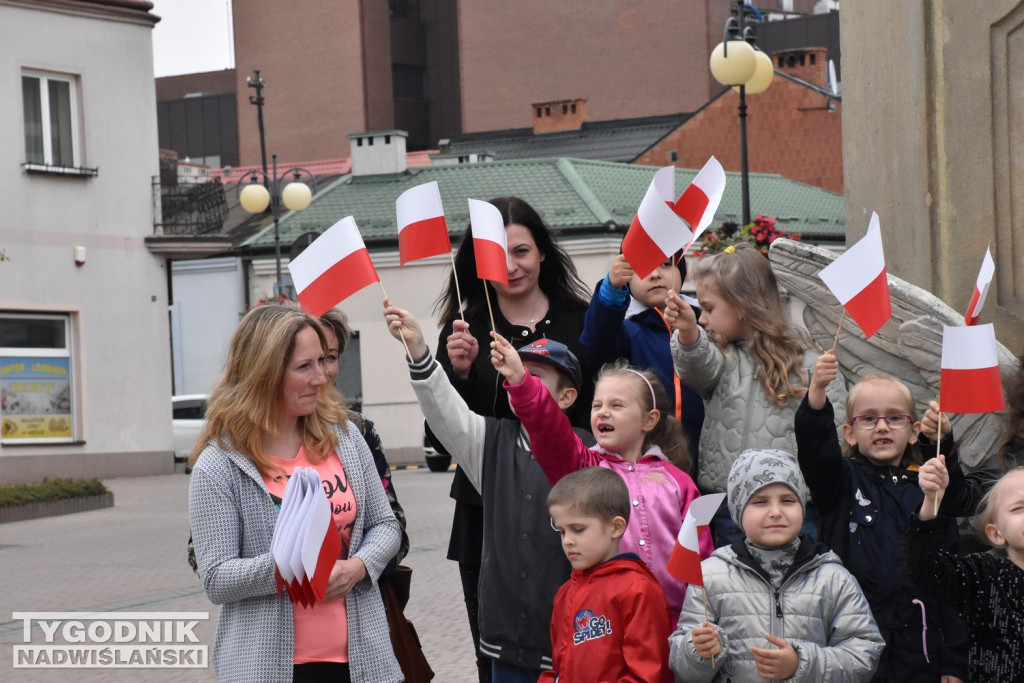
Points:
[[189, 418]]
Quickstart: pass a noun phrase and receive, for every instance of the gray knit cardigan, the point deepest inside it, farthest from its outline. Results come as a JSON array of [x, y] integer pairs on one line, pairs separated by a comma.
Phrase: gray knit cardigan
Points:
[[232, 518]]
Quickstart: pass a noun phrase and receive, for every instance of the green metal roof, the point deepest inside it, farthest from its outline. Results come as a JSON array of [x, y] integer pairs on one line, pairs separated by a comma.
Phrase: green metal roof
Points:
[[575, 197]]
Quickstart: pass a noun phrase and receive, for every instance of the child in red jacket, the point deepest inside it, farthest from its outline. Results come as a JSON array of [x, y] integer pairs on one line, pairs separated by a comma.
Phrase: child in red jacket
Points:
[[610, 620]]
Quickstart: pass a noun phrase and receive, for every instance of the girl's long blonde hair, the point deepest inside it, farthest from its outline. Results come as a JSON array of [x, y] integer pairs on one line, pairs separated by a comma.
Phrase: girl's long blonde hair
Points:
[[745, 279], [245, 403]]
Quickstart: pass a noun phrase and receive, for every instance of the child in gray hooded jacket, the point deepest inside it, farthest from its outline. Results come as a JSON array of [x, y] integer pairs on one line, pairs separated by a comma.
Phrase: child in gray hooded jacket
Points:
[[778, 605]]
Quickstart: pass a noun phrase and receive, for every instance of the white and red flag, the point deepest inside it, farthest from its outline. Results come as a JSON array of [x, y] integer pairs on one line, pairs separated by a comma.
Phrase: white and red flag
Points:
[[422, 230], [970, 380], [321, 543], [988, 269], [657, 231], [331, 269], [490, 243], [684, 562], [700, 200], [858, 280]]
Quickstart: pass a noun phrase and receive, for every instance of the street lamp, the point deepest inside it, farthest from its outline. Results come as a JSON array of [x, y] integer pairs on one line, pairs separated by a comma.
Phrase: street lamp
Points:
[[263, 189], [737, 62], [254, 197]]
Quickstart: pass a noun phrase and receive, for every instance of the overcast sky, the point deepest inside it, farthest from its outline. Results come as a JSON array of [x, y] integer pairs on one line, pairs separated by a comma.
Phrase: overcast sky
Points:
[[192, 36]]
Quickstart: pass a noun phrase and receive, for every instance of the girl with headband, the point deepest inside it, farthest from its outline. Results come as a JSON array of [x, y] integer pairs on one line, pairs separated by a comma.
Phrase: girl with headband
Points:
[[637, 437]]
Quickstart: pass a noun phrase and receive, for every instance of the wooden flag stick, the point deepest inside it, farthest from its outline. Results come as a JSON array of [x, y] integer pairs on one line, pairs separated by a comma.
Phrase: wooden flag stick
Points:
[[457, 292], [707, 620], [836, 342], [404, 343], [490, 311], [938, 452]]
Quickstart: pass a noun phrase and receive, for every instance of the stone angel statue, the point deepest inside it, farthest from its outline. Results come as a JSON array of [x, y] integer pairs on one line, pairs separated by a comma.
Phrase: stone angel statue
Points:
[[909, 346]]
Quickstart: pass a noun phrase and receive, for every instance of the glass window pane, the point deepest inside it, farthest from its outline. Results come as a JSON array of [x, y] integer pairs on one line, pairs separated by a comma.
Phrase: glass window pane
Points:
[[38, 333], [60, 123], [33, 120]]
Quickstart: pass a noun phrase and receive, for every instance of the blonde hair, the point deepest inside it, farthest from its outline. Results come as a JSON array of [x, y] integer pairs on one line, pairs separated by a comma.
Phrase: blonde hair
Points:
[[244, 404], [744, 278], [668, 433], [912, 455], [986, 513]]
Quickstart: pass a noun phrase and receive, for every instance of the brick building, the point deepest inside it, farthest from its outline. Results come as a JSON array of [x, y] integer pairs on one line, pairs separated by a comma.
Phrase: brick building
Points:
[[789, 126]]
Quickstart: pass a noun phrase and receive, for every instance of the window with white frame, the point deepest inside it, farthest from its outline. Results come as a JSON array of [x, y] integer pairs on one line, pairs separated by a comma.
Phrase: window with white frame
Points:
[[50, 105], [36, 389]]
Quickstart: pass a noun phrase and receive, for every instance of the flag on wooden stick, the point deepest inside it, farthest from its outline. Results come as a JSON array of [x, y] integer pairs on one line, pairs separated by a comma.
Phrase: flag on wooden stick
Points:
[[858, 279]]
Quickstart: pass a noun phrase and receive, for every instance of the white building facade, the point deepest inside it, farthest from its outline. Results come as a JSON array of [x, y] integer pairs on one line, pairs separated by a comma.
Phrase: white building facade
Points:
[[85, 366]]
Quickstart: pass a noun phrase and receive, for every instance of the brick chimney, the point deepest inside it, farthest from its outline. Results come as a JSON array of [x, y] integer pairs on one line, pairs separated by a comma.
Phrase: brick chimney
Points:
[[549, 117], [377, 152], [808, 63]]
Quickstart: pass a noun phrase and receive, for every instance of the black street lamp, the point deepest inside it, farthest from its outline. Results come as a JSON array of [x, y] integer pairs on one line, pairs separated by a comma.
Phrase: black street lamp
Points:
[[264, 190], [737, 62]]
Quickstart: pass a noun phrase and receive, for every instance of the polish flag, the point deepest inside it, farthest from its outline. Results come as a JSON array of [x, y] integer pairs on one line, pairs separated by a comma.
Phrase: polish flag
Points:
[[698, 204], [970, 378], [684, 562], [321, 543], [657, 232], [331, 269], [489, 241], [988, 269], [422, 230], [858, 280]]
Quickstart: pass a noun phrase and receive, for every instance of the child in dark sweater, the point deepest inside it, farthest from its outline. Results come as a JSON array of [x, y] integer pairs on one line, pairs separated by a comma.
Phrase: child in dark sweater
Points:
[[987, 591]]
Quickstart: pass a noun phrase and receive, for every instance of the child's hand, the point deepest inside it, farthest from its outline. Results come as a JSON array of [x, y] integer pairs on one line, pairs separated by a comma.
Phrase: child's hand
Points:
[[705, 640], [403, 326], [776, 664], [462, 348], [506, 360], [930, 423], [621, 272], [933, 478], [826, 369], [680, 316]]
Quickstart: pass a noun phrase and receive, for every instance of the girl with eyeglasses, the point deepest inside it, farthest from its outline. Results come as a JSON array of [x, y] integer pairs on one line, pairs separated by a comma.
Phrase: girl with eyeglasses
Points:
[[866, 496]]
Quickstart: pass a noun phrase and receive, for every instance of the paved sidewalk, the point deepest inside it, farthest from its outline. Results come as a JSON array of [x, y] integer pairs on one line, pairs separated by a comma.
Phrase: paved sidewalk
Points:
[[131, 558]]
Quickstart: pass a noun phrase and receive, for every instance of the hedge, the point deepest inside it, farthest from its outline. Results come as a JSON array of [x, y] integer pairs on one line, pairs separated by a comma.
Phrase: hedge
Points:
[[13, 495]]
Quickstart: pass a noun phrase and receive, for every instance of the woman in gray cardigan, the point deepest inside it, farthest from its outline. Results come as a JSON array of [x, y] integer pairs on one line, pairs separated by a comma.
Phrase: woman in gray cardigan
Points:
[[270, 410]]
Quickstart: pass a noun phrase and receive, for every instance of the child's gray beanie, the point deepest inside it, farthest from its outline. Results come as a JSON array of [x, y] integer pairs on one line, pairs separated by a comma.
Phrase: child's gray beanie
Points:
[[755, 469]]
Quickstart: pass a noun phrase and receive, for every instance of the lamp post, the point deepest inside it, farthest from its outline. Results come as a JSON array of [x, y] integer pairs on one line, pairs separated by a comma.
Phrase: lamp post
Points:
[[263, 190], [255, 197], [737, 62]]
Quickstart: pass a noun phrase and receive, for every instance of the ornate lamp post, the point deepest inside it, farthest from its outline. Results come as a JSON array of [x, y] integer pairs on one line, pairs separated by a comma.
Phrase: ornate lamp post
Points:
[[737, 62], [257, 190]]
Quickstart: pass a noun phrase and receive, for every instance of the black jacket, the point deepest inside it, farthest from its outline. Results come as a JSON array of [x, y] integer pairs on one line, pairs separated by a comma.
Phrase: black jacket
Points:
[[864, 513]]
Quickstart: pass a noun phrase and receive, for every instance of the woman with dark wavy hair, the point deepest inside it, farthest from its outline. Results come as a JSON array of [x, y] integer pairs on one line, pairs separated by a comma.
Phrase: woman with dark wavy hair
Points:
[[544, 298]]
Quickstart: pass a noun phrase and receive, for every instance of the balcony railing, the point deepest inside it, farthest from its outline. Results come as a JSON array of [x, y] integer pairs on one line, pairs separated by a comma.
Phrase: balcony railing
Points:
[[188, 208]]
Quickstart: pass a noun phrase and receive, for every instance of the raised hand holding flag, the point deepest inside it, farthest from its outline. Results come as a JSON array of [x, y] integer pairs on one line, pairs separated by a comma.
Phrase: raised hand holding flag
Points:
[[858, 279], [988, 269]]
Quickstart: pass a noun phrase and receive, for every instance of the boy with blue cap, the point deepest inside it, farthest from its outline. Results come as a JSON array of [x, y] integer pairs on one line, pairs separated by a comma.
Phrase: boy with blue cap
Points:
[[522, 565]]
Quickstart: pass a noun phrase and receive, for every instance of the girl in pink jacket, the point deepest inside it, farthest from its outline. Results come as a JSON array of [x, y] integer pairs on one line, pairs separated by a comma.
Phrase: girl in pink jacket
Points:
[[634, 440]]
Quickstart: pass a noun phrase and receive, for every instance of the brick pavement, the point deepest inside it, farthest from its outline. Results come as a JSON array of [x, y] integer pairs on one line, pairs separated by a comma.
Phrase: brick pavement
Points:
[[132, 558]]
